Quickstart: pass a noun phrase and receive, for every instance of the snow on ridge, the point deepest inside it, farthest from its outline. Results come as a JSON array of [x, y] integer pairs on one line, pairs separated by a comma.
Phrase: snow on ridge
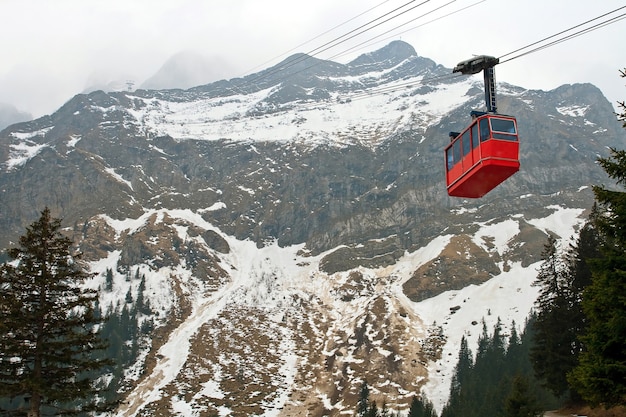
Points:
[[573, 111], [156, 282], [214, 207], [30, 135], [130, 225], [370, 74], [22, 152], [563, 222], [497, 234], [410, 261], [514, 91], [25, 149], [74, 139], [331, 122], [118, 177]]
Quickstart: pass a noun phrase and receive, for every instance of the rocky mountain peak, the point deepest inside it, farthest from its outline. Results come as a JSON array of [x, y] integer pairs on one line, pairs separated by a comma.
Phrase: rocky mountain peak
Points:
[[394, 52]]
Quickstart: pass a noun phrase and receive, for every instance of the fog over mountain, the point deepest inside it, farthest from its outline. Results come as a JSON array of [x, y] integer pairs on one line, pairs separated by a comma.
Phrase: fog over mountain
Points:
[[187, 69], [9, 114]]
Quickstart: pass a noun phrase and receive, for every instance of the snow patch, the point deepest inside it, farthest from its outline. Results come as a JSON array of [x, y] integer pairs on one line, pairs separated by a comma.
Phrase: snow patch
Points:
[[22, 152], [573, 111], [495, 236], [118, 177]]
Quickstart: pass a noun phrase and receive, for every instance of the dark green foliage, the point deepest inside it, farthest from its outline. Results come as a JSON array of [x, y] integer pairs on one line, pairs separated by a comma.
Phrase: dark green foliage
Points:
[[129, 296], [460, 379], [372, 411], [622, 116], [559, 319], [600, 377], [142, 305], [482, 388], [421, 408], [363, 404], [521, 402], [47, 332], [367, 408], [121, 333], [108, 282]]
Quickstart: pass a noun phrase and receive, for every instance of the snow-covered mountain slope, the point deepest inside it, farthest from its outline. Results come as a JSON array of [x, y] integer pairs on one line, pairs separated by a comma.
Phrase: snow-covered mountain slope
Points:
[[282, 237], [304, 338], [338, 120]]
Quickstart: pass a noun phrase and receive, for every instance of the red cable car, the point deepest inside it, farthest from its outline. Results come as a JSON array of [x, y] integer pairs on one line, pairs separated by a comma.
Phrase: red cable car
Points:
[[487, 152], [482, 156]]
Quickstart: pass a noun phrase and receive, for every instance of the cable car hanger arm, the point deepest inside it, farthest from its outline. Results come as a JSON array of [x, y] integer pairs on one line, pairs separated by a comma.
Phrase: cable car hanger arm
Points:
[[483, 63]]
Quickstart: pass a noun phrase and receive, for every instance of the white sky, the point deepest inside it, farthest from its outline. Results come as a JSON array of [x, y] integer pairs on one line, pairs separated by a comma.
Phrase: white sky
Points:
[[52, 50]]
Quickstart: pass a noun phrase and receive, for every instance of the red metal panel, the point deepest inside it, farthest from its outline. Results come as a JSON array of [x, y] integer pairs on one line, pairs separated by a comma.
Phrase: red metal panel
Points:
[[487, 165], [483, 177]]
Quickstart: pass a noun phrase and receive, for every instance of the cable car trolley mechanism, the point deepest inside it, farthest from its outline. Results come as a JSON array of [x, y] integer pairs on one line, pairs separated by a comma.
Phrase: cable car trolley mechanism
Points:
[[487, 152]]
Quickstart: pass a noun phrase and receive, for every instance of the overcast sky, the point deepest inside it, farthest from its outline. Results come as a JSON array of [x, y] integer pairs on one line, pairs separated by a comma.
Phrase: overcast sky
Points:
[[54, 49]]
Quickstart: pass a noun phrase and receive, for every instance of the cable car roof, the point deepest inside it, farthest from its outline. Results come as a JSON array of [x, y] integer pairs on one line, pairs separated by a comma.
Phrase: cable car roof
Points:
[[476, 64]]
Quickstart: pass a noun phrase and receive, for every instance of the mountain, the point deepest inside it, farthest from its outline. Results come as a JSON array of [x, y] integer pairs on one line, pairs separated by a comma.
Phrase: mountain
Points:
[[187, 69], [10, 114], [292, 230]]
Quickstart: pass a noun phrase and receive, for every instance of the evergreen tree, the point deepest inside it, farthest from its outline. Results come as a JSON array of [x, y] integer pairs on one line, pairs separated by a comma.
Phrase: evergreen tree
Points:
[[525, 368], [417, 408], [421, 408], [513, 361], [47, 336], [600, 376], [520, 402], [372, 410], [108, 280], [586, 252], [363, 404], [482, 389], [141, 304], [560, 320], [554, 353], [587, 249], [461, 377], [129, 296]]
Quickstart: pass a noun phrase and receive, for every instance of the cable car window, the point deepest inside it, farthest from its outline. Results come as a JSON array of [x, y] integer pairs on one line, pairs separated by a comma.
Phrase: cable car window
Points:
[[484, 129], [503, 129], [456, 149], [449, 158], [503, 125], [475, 140], [467, 143]]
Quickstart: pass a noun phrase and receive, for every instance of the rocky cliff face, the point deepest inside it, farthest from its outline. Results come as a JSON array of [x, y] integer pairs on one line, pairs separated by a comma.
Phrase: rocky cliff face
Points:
[[282, 220]]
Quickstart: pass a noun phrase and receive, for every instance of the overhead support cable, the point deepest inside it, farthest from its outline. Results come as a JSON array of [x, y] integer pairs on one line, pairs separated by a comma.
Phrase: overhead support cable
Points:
[[391, 30], [396, 34], [295, 48], [343, 38], [567, 37], [369, 40]]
